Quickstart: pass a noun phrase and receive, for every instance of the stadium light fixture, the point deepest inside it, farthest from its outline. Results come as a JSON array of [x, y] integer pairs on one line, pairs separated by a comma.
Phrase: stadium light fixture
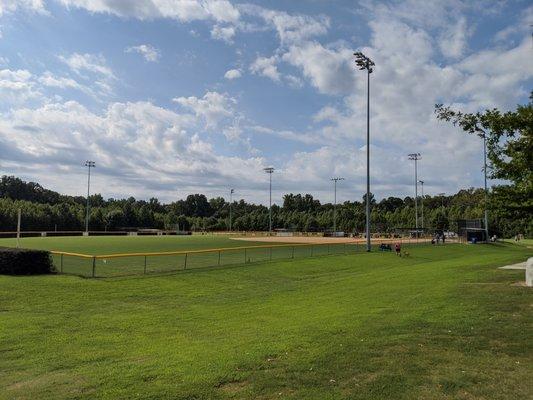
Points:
[[89, 165], [335, 180], [365, 63], [231, 191], [422, 203], [269, 171], [415, 157]]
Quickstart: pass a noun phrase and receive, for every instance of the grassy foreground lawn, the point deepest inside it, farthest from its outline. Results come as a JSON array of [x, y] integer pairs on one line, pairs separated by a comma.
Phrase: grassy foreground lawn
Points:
[[441, 324]]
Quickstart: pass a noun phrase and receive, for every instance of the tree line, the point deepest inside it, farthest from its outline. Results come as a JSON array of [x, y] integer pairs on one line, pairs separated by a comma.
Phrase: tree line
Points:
[[43, 209]]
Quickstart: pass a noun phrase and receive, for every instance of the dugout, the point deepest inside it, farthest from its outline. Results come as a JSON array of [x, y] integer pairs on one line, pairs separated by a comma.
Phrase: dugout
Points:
[[472, 230]]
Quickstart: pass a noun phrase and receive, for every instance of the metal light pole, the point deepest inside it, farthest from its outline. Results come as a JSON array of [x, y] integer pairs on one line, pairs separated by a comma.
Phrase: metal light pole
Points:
[[365, 63], [269, 171], [415, 157], [335, 180], [230, 202], [422, 202], [486, 191], [89, 165]]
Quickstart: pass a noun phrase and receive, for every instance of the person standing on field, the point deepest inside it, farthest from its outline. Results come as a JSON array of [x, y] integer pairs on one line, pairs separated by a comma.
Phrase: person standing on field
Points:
[[398, 249]]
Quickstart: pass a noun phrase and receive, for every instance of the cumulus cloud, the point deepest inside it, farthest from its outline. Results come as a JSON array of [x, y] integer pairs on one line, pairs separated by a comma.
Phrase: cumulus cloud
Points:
[[93, 63], [233, 74], [266, 66], [213, 107], [181, 10], [224, 33], [329, 70], [150, 53], [10, 6], [290, 28], [121, 138], [17, 86], [453, 41]]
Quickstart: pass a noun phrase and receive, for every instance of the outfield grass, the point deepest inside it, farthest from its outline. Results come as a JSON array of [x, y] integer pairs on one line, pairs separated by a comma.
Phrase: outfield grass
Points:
[[444, 323], [139, 264], [95, 245]]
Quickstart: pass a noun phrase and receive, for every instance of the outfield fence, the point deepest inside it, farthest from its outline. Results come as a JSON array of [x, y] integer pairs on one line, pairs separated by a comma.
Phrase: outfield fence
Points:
[[109, 265]]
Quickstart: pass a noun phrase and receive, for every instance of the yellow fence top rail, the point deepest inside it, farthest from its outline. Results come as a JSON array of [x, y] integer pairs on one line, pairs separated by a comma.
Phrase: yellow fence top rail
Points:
[[65, 253], [183, 252]]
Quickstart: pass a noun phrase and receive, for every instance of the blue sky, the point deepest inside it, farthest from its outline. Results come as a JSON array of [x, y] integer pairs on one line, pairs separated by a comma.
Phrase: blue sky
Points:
[[171, 97]]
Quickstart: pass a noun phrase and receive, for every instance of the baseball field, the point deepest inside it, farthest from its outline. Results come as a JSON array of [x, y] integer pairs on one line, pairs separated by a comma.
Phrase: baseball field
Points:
[[442, 323]]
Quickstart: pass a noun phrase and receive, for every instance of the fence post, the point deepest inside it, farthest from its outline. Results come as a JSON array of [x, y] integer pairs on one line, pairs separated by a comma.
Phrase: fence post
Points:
[[61, 263], [245, 255], [219, 258], [311, 250], [271, 254], [328, 249], [292, 252], [94, 266], [185, 263], [145, 265]]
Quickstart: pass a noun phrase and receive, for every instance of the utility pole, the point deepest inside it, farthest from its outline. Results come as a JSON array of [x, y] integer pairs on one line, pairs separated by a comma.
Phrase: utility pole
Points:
[[415, 157], [335, 180], [365, 63], [230, 203], [89, 165], [269, 171]]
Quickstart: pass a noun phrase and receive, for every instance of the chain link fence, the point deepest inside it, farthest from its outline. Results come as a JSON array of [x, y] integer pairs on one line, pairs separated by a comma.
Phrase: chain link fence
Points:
[[100, 266]]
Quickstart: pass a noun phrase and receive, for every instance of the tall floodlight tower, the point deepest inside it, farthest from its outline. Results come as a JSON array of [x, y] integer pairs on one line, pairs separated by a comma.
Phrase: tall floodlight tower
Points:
[[486, 190], [269, 171], [231, 191], [89, 165], [335, 180], [422, 203], [415, 157], [365, 63]]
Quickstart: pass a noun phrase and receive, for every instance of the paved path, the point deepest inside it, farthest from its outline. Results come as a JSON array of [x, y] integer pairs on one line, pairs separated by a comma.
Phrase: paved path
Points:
[[521, 265]]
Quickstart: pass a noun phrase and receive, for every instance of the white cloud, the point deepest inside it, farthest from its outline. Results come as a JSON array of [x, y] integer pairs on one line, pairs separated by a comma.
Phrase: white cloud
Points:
[[233, 74], [329, 70], [181, 10], [290, 28], [17, 86], [266, 66], [150, 53], [224, 33], [88, 63], [139, 148], [10, 6], [453, 41], [213, 108]]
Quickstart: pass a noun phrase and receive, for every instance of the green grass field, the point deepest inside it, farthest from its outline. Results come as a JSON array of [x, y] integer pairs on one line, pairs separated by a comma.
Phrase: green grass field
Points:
[[95, 245], [444, 323], [107, 267]]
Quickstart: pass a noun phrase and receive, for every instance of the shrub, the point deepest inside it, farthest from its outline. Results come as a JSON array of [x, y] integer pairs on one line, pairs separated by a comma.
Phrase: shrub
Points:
[[25, 261]]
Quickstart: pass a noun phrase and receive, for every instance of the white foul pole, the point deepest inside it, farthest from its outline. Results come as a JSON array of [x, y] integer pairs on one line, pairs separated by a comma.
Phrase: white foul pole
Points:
[[18, 227]]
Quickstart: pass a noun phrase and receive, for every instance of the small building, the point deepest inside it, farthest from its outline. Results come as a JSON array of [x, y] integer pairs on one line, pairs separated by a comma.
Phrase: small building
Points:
[[472, 230]]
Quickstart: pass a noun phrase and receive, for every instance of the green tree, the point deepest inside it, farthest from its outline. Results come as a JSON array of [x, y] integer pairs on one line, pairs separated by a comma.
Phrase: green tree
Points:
[[509, 137]]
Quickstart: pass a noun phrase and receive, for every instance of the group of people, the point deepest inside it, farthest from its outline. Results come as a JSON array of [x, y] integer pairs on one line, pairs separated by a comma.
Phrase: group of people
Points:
[[438, 238]]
